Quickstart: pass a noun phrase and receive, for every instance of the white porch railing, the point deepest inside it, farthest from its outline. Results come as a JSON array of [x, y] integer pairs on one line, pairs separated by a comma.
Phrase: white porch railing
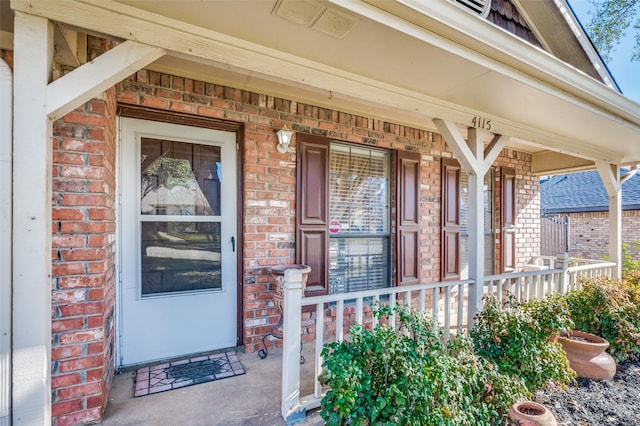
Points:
[[327, 318], [444, 300], [572, 269]]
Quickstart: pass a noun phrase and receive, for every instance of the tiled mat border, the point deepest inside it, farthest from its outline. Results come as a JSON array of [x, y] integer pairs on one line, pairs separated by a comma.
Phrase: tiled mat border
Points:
[[186, 372]]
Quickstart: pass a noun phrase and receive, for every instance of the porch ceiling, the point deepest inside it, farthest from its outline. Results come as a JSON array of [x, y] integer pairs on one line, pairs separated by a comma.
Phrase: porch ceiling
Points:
[[403, 61]]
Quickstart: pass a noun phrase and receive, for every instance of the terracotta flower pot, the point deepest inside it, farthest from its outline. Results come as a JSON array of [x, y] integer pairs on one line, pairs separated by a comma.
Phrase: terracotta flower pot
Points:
[[587, 356], [528, 413]]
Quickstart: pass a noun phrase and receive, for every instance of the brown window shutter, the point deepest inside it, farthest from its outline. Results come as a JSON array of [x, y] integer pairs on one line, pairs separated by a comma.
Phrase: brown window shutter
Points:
[[508, 219], [408, 217], [312, 211], [450, 238]]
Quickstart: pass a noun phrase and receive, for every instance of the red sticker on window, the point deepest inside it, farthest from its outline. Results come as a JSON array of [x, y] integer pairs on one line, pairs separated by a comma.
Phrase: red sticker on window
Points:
[[334, 226]]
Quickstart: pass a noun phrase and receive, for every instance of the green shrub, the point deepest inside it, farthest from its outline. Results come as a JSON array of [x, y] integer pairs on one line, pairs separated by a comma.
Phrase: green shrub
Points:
[[517, 337], [629, 264], [410, 377], [611, 310]]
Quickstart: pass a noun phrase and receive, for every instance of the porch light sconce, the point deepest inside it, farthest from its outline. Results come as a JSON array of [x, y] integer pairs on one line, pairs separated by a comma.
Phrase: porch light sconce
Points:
[[284, 139]]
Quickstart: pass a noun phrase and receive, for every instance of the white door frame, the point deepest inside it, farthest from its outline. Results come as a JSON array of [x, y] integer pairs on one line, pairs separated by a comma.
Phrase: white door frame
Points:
[[124, 241]]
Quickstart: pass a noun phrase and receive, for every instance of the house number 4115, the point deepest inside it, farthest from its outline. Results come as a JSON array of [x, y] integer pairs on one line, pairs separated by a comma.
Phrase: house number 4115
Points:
[[481, 123]]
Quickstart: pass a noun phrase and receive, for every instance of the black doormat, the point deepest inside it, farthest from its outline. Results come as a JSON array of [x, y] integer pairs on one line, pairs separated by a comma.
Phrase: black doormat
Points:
[[186, 372]]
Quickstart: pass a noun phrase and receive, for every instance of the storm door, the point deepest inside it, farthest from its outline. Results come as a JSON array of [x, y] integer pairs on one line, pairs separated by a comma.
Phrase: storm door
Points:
[[177, 242]]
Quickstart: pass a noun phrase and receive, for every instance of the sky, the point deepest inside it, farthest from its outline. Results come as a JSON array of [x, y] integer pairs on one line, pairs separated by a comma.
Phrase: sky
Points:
[[625, 72]]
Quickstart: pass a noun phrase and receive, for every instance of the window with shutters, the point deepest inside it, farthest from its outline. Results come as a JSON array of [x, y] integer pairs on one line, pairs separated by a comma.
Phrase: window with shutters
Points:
[[359, 217], [343, 216]]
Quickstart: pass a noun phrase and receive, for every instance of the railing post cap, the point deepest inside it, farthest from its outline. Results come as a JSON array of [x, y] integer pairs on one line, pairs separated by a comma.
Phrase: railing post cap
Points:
[[292, 279]]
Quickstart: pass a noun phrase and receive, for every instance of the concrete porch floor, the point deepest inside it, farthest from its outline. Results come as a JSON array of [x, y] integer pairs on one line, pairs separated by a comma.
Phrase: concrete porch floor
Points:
[[249, 399]]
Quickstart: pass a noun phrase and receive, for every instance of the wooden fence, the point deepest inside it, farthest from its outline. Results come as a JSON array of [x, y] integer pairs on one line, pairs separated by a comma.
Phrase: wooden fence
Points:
[[554, 235]]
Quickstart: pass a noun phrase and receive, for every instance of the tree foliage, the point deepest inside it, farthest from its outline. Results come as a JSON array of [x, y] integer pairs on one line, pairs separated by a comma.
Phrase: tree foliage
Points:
[[610, 21]]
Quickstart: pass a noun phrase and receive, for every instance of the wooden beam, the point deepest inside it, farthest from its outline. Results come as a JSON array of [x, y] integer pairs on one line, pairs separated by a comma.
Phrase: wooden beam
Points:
[[67, 43], [457, 144], [610, 175], [93, 78], [493, 150], [631, 173], [32, 151]]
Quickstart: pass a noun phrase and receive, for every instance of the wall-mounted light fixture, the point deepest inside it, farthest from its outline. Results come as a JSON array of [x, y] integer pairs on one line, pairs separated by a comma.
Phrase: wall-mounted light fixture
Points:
[[284, 139]]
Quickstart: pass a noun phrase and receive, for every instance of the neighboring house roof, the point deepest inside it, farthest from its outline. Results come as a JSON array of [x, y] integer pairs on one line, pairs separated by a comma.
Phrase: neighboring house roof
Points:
[[584, 192]]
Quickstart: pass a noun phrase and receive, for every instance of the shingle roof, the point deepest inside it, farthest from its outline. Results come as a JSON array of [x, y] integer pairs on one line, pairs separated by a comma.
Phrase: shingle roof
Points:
[[584, 192]]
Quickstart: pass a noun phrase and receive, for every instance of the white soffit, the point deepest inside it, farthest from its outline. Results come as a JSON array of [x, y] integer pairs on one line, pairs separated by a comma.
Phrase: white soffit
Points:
[[412, 65]]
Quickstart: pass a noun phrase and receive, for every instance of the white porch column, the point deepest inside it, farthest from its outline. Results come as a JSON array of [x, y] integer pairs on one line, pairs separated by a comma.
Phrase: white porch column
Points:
[[6, 134], [610, 175], [476, 223], [475, 160], [290, 404], [31, 391]]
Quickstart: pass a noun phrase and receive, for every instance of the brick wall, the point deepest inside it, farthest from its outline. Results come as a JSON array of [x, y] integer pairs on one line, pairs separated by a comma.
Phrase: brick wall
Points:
[[589, 233], [83, 300], [269, 177]]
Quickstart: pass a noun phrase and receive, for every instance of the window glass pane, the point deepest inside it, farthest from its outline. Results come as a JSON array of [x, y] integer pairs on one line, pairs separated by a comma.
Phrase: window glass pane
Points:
[[359, 190], [357, 264], [179, 178], [359, 219], [180, 256]]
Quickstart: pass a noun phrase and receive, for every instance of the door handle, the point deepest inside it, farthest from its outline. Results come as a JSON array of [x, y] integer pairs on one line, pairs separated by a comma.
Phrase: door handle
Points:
[[233, 244]]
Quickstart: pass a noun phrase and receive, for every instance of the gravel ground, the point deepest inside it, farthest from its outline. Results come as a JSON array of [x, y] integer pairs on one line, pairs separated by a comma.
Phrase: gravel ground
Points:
[[594, 403]]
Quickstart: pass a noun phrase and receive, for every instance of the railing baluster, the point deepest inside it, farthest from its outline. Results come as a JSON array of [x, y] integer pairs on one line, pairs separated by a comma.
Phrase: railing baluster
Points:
[[460, 308], [540, 286], [434, 302], [359, 305], [421, 300], [392, 317], [447, 312], [374, 319], [340, 320], [407, 299]]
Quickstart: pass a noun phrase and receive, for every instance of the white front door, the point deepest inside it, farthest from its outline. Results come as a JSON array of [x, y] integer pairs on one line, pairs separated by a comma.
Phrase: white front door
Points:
[[178, 283]]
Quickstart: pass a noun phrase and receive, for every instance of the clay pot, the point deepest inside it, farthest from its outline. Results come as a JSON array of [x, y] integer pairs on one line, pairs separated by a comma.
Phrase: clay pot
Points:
[[278, 294], [587, 356], [528, 413]]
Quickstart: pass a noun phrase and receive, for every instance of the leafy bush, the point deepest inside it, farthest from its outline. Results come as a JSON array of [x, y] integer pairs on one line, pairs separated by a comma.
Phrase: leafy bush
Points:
[[517, 337], [410, 377], [629, 264], [611, 310]]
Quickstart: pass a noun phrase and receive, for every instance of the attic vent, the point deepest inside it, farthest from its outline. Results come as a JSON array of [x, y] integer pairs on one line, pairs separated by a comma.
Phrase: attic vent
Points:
[[316, 15], [479, 7]]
